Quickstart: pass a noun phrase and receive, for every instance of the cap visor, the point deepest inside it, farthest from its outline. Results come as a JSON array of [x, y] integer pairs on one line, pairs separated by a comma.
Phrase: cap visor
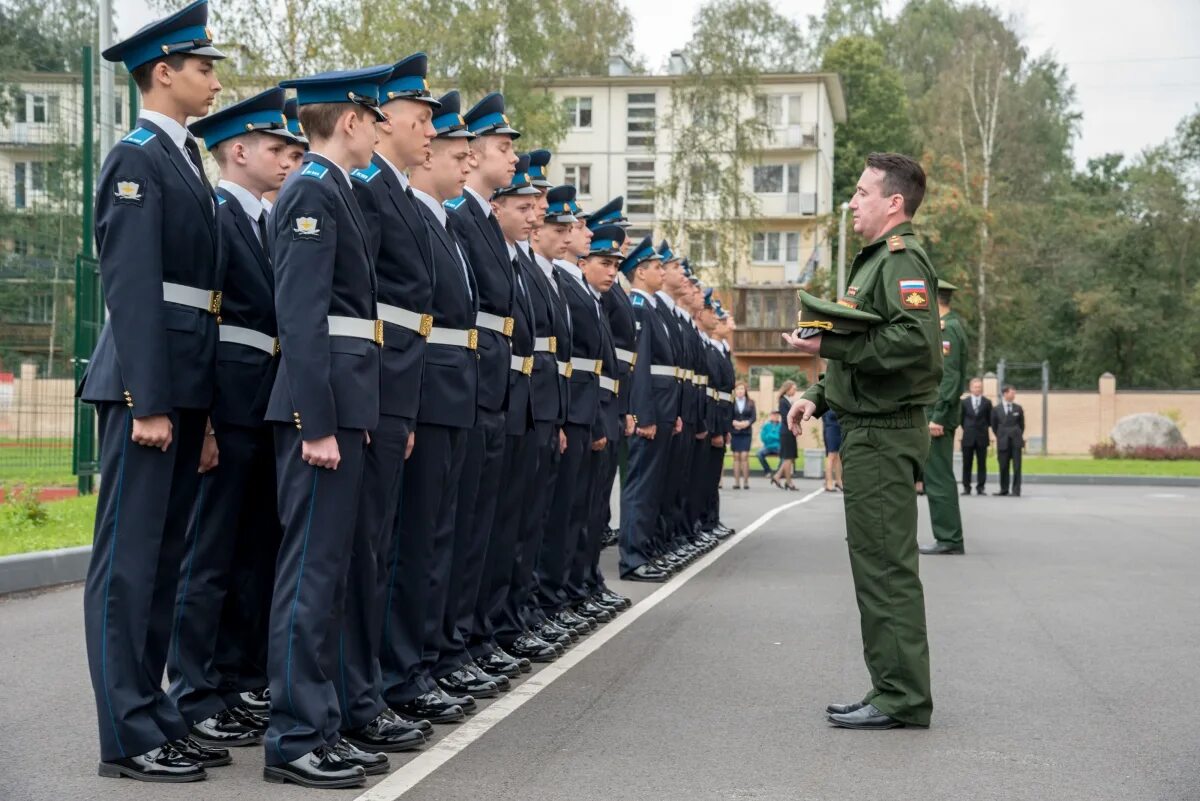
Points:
[[541, 183], [207, 52], [507, 131], [377, 111], [459, 133]]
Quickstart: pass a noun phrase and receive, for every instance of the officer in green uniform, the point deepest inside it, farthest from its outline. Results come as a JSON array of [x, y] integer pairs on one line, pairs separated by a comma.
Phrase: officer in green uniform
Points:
[[880, 377], [944, 418]]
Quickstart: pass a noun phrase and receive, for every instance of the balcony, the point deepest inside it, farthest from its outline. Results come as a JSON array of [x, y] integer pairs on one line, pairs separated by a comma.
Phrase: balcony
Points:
[[801, 136], [788, 204]]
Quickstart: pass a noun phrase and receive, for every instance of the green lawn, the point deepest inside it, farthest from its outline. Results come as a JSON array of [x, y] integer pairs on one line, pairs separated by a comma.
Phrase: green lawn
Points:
[[68, 523]]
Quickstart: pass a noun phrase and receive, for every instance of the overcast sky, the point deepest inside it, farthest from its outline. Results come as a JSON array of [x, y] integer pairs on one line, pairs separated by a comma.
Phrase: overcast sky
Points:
[[1135, 66]]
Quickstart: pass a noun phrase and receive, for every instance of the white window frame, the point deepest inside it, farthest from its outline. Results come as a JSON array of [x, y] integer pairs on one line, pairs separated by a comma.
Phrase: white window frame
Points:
[[575, 108], [779, 244], [644, 136], [580, 177], [790, 176], [639, 187]]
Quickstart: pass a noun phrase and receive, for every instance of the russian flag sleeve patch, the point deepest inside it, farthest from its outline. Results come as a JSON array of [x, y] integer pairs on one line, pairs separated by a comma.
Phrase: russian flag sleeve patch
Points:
[[914, 294]]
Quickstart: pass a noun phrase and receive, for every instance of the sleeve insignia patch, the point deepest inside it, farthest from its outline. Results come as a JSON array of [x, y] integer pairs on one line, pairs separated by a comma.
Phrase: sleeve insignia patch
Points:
[[366, 175], [221, 201], [138, 136], [914, 294], [895, 243], [945, 347], [314, 170], [638, 300], [129, 190], [307, 229], [454, 203], [852, 291]]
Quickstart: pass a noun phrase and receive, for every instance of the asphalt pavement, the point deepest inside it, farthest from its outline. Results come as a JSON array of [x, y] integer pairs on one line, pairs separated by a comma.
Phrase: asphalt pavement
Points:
[[1064, 645]]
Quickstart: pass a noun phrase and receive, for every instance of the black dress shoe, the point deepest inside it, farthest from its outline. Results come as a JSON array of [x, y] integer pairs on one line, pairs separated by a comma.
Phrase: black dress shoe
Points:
[[203, 755], [224, 729], [501, 681], [522, 662], [431, 707], [615, 599], [467, 702], [571, 623], [385, 734], [321, 768], [942, 548], [420, 724], [589, 609], [844, 709], [256, 721], [497, 665], [571, 616], [646, 572], [464, 682], [599, 600], [555, 635], [163, 764], [967, 492], [1000, 494], [256, 700], [1016, 493], [866, 717], [533, 649], [661, 564], [372, 762]]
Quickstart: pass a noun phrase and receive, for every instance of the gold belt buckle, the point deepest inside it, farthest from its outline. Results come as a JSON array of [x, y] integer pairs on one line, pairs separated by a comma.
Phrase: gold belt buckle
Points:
[[527, 365], [472, 338], [426, 326], [379, 332], [508, 326], [633, 360], [678, 374], [570, 370], [275, 347], [599, 366], [554, 344], [214, 302], [616, 387]]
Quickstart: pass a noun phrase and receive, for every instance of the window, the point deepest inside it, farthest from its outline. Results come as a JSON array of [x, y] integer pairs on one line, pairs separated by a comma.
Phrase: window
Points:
[[640, 119], [775, 247], [639, 183], [703, 180], [39, 308], [580, 177], [775, 178], [778, 111], [702, 246], [37, 176], [19, 184], [769, 308], [36, 107], [579, 112]]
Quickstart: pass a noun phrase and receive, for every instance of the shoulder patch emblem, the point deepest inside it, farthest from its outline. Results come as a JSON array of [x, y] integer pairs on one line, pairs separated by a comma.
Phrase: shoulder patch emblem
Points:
[[914, 294], [895, 243], [638, 300], [852, 291], [221, 201], [307, 229], [314, 170], [945, 347], [129, 190], [138, 136], [366, 175], [454, 203]]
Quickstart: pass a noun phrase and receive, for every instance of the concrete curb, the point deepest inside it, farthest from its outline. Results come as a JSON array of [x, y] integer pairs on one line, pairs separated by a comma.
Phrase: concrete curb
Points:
[[42, 569]]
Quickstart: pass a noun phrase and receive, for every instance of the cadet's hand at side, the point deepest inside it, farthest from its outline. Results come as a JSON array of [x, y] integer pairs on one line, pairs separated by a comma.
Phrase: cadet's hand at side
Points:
[[630, 424], [562, 442], [811, 345], [678, 424], [600, 444], [322, 452], [647, 432], [412, 440], [154, 431], [801, 412], [936, 429], [208, 451]]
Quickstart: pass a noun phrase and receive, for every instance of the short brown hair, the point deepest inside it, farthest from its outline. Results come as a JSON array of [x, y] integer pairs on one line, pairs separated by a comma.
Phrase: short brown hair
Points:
[[320, 119], [901, 176], [143, 75]]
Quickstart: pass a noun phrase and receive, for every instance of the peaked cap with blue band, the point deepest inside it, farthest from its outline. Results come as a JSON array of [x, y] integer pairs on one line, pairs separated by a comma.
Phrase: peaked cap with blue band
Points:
[[609, 214], [448, 120], [708, 298], [559, 204], [642, 253], [291, 112], [360, 87], [519, 185], [184, 33], [263, 112], [607, 241], [665, 253], [407, 81], [487, 117], [538, 161]]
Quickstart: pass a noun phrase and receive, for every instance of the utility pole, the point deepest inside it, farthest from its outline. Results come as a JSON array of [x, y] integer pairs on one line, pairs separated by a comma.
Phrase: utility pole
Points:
[[841, 268], [107, 96]]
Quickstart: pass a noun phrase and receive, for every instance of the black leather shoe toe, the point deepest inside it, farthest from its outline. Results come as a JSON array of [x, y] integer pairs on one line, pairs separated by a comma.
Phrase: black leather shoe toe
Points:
[[501, 681], [204, 755], [844, 709], [420, 724], [533, 649], [224, 729], [463, 682], [867, 718], [321, 768], [646, 572], [939, 548], [163, 764], [431, 707], [256, 700], [497, 665], [385, 734], [467, 702], [373, 763]]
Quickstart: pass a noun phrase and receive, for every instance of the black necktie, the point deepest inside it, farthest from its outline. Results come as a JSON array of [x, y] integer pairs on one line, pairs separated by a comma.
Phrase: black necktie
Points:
[[262, 233], [193, 152]]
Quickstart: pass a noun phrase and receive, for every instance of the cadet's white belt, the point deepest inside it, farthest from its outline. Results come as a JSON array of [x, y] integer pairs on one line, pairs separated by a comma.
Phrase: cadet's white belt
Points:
[[545, 345], [664, 369], [208, 300], [702, 380], [417, 323], [248, 337], [627, 356], [611, 384], [587, 365], [564, 369], [455, 337], [712, 393], [371, 330], [494, 322], [521, 364], [725, 396]]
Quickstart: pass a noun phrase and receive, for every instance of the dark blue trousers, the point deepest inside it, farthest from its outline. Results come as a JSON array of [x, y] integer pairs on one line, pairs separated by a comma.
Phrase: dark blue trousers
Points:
[[360, 680], [424, 529], [605, 473], [641, 497], [318, 509], [142, 514], [562, 523], [243, 478]]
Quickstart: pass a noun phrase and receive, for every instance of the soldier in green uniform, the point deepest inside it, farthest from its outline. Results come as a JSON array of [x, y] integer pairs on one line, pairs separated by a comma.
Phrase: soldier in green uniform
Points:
[[944, 418], [880, 377]]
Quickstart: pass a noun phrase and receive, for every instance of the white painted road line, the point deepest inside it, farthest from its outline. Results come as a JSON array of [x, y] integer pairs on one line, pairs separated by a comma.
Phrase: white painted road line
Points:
[[445, 749]]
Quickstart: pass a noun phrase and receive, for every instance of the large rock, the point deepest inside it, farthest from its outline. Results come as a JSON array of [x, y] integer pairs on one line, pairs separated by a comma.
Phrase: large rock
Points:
[[1146, 431]]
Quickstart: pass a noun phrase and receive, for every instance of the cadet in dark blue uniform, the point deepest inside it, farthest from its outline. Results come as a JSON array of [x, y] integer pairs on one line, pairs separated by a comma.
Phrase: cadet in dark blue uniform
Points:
[[425, 527], [655, 408], [325, 401], [151, 380], [236, 497], [401, 248]]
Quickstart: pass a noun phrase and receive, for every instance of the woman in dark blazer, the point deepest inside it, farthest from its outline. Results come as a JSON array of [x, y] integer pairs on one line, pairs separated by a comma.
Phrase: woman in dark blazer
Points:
[[744, 416], [787, 440]]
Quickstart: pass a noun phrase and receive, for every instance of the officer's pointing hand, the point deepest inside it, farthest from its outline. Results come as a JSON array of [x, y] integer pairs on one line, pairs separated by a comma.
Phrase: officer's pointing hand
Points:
[[322, 452], [801, 412], [154, 431]]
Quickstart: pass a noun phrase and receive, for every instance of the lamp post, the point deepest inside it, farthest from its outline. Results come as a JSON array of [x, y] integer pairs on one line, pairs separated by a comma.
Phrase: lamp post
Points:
[[841, 267]]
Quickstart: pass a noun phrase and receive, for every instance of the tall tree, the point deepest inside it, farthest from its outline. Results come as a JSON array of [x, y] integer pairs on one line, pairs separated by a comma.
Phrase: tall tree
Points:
[[845, 18]]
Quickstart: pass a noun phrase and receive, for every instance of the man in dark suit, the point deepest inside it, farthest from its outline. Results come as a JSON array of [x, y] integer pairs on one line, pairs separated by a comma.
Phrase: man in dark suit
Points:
[[325, 402], [449, 394], [976, 427], [236, 496], [401, 250], [1008, 423], [151, 380]]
